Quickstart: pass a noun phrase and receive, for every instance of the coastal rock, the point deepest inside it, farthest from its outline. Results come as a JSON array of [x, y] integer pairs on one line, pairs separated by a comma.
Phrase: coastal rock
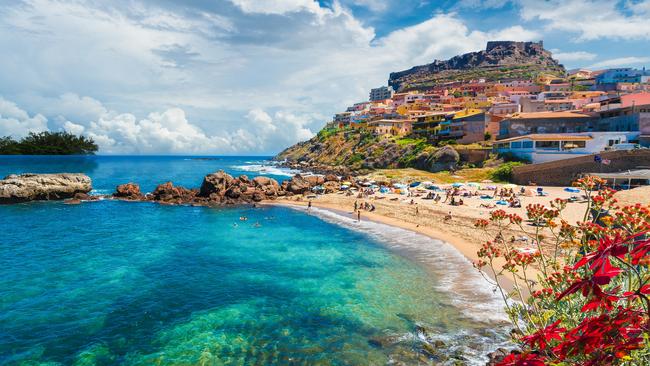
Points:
[[315, 180], [32, 187], [129, 191], [215, 183], [331, 178], [269, 187], [332, 187], [298, 185], [167, 193]]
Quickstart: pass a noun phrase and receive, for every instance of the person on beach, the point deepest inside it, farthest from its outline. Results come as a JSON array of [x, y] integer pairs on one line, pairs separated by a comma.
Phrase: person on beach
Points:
[[448, 216], [359, 216], [417, 211], [309, 205], [355, 205]]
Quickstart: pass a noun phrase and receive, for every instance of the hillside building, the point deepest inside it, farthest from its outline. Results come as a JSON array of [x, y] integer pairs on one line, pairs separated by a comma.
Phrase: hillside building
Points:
[[381, 93]]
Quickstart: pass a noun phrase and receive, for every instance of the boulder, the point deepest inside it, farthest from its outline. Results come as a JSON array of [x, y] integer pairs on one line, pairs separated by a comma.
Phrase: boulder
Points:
[[315, 180], [331, 178], [129, 191], [332, 187], [167, 193], [217, 183], [33, 187], [298, 185]]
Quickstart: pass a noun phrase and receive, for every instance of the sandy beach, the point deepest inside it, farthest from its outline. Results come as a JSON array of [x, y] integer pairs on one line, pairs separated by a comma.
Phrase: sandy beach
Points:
[[430, 219]]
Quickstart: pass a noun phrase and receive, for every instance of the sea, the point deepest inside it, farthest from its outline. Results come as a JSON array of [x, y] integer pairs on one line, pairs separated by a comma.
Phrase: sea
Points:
[[132, 283]]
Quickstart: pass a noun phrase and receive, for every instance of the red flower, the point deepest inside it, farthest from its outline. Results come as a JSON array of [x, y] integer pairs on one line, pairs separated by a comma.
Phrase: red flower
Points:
[[522, 359], [542, 336]]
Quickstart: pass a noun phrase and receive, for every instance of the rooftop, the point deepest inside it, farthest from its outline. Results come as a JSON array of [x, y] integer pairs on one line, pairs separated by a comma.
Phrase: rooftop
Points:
[[549, 137]]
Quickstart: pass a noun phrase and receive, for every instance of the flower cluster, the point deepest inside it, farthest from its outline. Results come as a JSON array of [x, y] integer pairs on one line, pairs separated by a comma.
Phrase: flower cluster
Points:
[[590, 304]]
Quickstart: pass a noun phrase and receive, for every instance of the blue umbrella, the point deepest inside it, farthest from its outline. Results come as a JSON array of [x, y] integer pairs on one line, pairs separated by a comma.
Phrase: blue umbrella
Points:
[[457, 185], [572, 190], [414, 184]]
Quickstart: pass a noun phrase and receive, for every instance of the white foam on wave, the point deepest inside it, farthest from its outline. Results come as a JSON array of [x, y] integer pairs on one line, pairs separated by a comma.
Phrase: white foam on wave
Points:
[[264, 169], [454, 273]]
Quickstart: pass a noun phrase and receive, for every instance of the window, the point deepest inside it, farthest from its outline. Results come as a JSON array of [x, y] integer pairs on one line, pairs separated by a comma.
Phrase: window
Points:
[[527, 144], [568, 145], [548, 145], [515, 145]]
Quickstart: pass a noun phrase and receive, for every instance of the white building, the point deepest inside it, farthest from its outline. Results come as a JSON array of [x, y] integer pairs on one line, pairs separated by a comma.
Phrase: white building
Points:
[[540, 148]]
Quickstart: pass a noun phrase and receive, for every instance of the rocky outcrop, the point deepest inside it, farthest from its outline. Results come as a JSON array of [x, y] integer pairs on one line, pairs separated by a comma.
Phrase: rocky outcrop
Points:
[[128, 191], [500, 59], [34, 187], [221, 188], [445, 158], [168, 193]]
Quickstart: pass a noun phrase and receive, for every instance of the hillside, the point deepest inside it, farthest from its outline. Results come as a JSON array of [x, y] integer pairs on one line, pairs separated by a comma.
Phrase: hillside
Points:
[[361, 151], [501, 60]]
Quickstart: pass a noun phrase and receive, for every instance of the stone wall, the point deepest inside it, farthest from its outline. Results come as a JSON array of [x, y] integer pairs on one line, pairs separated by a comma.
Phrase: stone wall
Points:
[[564, 172]]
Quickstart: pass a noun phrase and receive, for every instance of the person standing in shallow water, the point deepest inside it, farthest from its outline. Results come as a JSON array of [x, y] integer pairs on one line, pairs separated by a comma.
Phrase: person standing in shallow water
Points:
[[309, 205], [359, 215]]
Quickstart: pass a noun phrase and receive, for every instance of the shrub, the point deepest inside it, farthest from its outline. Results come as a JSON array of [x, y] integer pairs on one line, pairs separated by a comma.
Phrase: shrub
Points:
[[590, 303], [503, 173], [48, 143]]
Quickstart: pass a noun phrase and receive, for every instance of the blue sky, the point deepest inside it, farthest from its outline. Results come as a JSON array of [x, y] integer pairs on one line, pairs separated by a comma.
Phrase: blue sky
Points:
[[253, 76]]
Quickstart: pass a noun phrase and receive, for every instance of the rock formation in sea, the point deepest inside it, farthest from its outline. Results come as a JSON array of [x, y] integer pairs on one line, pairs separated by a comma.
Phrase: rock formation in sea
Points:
[[33, 187]]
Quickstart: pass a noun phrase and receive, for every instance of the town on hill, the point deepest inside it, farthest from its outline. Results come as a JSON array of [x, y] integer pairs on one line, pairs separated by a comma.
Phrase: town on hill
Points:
[[511, 101]]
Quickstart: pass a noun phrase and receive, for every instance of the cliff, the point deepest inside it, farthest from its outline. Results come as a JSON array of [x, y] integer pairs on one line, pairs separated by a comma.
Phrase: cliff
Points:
[[500, 60]]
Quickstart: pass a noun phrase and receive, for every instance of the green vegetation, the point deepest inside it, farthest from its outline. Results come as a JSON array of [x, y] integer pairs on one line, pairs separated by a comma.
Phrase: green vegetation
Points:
[[48, 143], [503, 173], [326, 133]]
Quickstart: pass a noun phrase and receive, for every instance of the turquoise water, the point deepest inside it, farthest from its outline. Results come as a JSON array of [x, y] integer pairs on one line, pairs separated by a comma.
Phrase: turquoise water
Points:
[[123, 283]]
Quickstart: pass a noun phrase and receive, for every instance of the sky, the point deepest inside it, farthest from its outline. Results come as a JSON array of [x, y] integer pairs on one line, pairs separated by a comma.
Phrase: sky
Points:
[[251, 77]]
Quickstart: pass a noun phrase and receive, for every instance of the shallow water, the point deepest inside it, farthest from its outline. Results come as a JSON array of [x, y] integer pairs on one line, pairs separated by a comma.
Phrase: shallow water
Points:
[[123, 283]]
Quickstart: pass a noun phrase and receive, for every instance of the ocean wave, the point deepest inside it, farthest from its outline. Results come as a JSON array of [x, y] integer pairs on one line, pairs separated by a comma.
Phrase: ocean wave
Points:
[[264, 169], [454, 273]]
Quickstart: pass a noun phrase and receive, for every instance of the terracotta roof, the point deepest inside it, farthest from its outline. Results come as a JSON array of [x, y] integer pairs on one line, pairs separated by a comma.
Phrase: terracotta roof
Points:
[[548, 137]]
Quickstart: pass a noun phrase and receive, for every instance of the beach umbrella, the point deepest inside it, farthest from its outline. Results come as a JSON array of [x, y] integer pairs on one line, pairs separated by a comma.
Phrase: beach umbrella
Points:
[[457, 185], [491, 187], [384, 190], [510, 186], [572, 190], [433, 188], [486, 181], [503, 203], [420, 189], [414, 184], [474, 184], [427, 183], [400, 186], [344, 187]]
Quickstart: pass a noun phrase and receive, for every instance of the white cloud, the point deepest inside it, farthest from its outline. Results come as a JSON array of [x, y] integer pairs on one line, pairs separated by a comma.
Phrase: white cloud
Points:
[[620, 62], [277, 6], [589, 19], [374, 5], [16, 122], [273, 72], [574, 56]]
